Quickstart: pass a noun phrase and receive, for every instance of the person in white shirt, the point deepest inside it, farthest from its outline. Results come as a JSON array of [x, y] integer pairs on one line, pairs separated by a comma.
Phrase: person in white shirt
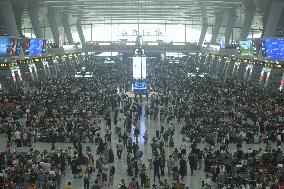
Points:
[[183, 147], [170, 164], [105, 170], [206, 183], [17, 136]]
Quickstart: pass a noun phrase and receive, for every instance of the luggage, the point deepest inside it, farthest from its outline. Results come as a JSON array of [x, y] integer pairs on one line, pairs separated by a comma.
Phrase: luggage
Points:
[[157, 133], [147, 182]]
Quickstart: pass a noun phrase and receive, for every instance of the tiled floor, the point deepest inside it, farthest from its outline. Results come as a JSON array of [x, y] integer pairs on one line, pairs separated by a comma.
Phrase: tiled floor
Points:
[[193, 182]]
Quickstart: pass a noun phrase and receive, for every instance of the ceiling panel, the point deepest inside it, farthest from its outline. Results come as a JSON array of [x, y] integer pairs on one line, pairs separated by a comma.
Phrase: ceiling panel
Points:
[[152, 11]]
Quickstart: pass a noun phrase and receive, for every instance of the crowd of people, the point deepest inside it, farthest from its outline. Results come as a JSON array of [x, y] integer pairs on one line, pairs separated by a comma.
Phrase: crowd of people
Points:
[[221, 115]]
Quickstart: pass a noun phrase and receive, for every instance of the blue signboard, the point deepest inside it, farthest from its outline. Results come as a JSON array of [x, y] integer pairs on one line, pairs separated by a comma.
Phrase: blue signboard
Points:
[[274, 48]]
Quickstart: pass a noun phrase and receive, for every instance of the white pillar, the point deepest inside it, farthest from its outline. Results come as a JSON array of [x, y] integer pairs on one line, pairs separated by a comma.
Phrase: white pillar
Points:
[[216, 29], [80, 30], [9, 18], [247, 24], [203, 32], [53, 25], [273, 18], [33, 11], [67, 29], [230, 25]]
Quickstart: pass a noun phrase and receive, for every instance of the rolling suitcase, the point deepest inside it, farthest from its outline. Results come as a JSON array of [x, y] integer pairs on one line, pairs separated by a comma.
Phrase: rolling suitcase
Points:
[[147, 182]]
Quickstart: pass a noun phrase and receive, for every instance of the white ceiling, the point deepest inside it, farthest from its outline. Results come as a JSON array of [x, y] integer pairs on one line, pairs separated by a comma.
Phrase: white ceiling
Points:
[[152, 11]]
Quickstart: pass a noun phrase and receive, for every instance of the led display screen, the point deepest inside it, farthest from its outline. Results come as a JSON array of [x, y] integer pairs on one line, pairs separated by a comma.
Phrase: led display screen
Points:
[[274, 48], [9, 46], [246, 48], [139, 86], [139, 67], [34, 46], [136, 65]]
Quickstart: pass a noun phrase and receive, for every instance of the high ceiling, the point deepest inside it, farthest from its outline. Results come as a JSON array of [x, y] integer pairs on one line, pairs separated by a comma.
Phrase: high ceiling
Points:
[[154, 11], [191, 12]]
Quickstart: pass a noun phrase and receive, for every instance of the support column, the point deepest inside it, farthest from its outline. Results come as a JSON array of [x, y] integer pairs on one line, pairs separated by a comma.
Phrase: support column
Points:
[[9, 18], [67, 29], [203, 32], [18, 8], [230, 25], [273, 18], [53, 25], [34, 17], [216, 29], [247, 24], [80, 30]]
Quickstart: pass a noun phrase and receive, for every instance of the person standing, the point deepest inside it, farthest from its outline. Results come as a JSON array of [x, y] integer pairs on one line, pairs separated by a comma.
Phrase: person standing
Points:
[[143, 175], [124, 139], [145, 138], [17, 136], [157, 164], [191, 159], [182, 168], [86, 181], [111, 176], [105, 170], [183, 148], [162, 165], [119, 149], [170, 163]]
